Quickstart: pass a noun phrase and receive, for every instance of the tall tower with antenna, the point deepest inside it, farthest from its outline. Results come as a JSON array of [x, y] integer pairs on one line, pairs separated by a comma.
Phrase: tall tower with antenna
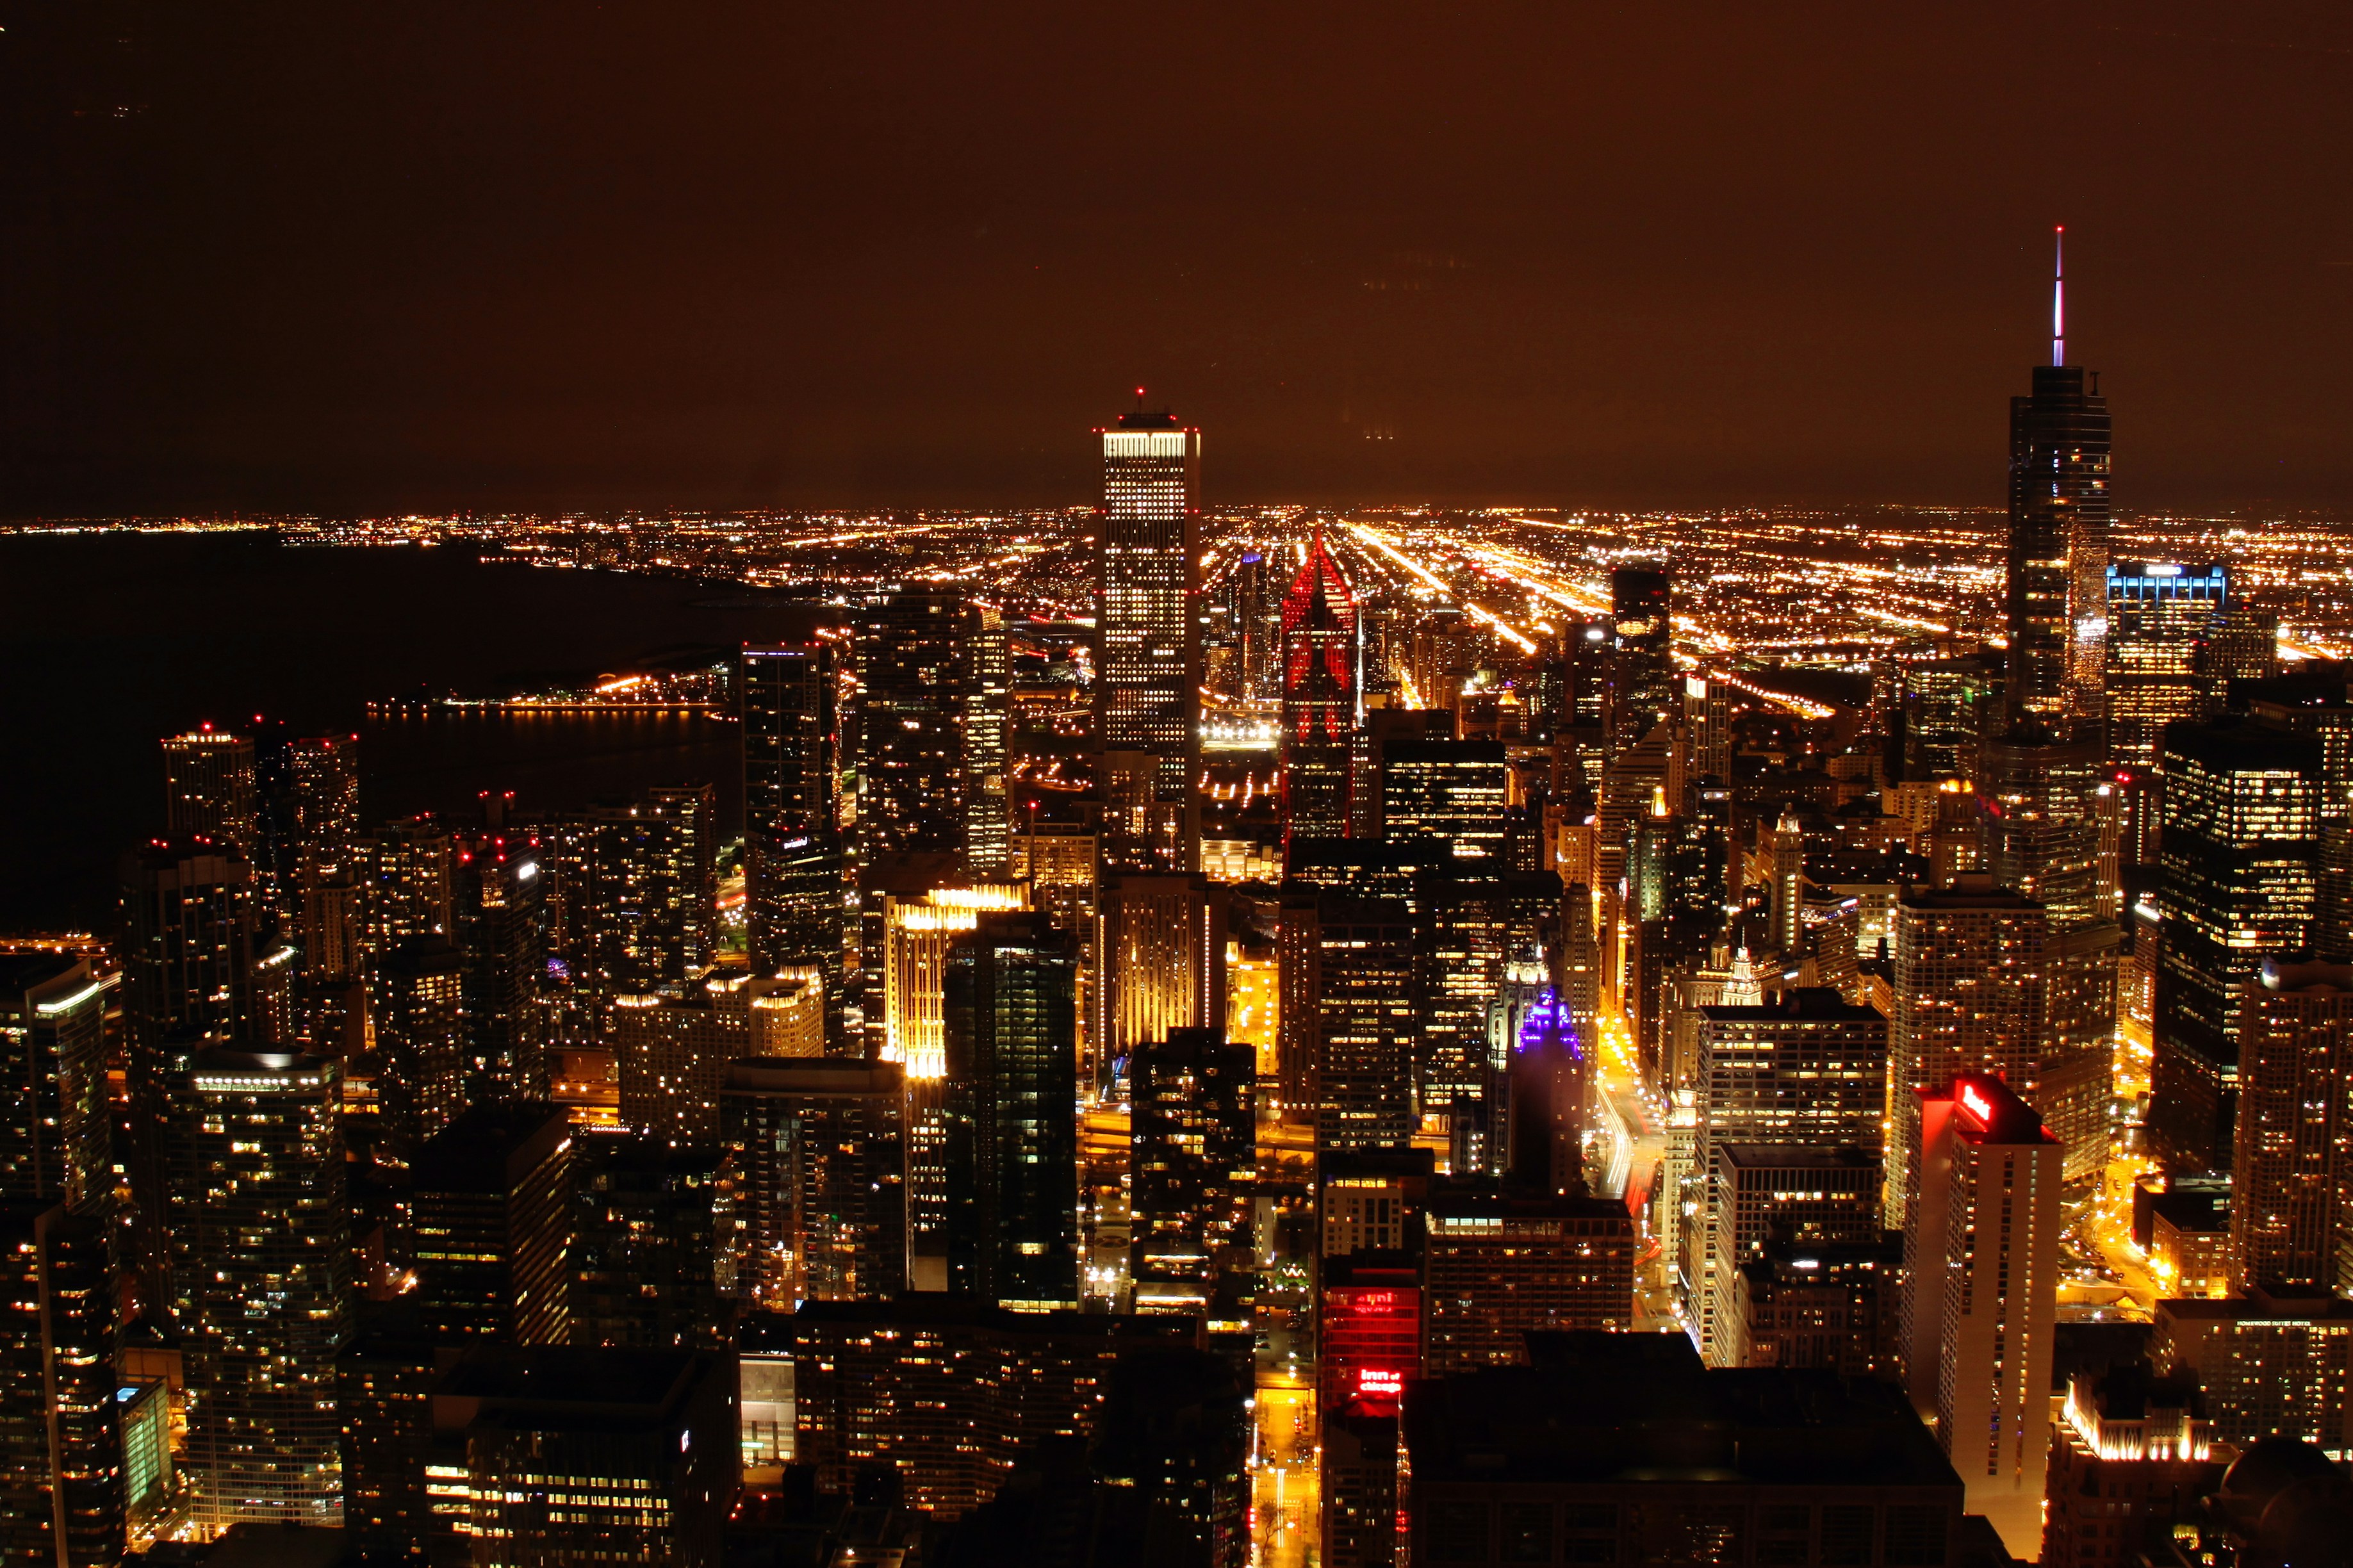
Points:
[[2058, 547]]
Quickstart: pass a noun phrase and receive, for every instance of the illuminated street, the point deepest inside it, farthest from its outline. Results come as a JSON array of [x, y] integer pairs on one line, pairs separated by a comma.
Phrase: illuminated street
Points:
[[1284, 1489]]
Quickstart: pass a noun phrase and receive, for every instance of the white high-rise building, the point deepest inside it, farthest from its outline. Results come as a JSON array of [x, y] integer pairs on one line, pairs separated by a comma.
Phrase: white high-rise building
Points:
[[1982, 1294], [1148, 657]]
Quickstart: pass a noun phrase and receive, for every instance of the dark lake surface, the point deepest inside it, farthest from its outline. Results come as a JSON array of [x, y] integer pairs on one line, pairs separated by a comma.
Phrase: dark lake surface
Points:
[[112, 641]]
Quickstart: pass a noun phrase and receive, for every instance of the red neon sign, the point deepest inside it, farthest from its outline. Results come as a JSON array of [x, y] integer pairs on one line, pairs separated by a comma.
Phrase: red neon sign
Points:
[[1974, 1102], [1379, 1381]]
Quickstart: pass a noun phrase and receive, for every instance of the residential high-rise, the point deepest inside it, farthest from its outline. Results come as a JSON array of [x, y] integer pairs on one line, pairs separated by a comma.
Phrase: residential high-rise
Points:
[[916, 683], [1320, 694], [816, 1180], [2058, 533], [260, 1277], [1809, 1070], [501, 930], [187, 969], [2158, 612], [644, 1233], [1358, 993], [2291, 1167], [61, 1465], [1982, 1294], [651, 888], [1836, 1307], [56, 1123], [1193, 1166], [795, 909], [1969, 988], [1147, 623], [208, 789], [2240, 883], [419, 1067], [409, 866], [1450, 791], [674, 1050], [1011, 1039], [1465, 938], [491, 1217], [1758, 1194]]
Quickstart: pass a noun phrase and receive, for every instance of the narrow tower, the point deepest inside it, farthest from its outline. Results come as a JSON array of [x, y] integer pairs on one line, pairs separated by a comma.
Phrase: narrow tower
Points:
[[1319, 698], [1147, 624], [2058, 534]]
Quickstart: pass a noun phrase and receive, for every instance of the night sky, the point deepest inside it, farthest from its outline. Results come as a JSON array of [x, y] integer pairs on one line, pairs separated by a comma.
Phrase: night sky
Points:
[[339, 256]]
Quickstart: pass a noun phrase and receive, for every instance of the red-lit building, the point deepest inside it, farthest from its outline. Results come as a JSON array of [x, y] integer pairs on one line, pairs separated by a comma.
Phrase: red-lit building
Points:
[[1370, 1334], [1319, 698]]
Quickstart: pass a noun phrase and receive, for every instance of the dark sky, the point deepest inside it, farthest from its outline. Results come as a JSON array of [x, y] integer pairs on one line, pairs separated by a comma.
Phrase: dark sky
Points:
[[351, 255]]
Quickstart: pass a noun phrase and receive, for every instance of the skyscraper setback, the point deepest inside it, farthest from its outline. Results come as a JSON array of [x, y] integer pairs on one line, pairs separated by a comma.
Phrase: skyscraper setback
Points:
[[1149, 659]]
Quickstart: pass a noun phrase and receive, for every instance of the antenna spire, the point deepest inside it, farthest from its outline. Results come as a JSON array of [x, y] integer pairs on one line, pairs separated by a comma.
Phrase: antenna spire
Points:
[[2059, 297]]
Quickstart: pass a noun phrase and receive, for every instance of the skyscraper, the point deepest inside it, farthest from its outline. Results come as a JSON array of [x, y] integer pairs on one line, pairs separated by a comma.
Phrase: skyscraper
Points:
[[418, 1065], [1981, 1293], [62, 1483], [644, 1231], [816, 1172], [56, 1131], [1148, 657], [2058, 530], [208, 788], [1011, 1037], [1320, 694], [1970, 992], [187, 967], [261, 1276], [2291, 1167], [1642, 636], [1160, 961], [651, 887], [1364, 1026], [1450, 791], [1193, 1160], [490, 1196], [2240, 883], [795, 909], [915, 682], [2159, 613]]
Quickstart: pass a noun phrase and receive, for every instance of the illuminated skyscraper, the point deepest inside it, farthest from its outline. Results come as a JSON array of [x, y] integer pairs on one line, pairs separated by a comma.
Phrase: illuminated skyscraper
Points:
[[917, 933], [260, 1279], [208, 788], [2240, 884], [418, 1065], [1148, 659], [410, 872], [187, 968], [1450, 791], [819, 1180], [2058, 531], [1981, 1293], [1641, 644], [1160, 953], [61, 1482], [1194, 1165], [2159, 615], [651, 888], [1358, 993], [55, 1132], [2291, 1170], [796, 908], [327, 907], [491, 1203], [914, 671], [1011, 1035], [644, 1233], [1319, 698]]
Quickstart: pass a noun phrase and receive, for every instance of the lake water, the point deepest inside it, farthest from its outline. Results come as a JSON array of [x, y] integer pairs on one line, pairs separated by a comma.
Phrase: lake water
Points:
[[112, 641]]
